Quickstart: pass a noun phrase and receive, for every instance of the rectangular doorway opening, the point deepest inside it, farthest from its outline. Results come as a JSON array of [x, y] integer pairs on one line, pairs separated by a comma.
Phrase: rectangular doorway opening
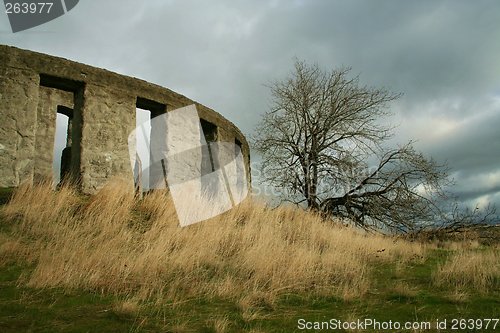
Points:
[[59, 128], [146, 110], [142, 149], [209, 153], [237, 147], [61, 166]]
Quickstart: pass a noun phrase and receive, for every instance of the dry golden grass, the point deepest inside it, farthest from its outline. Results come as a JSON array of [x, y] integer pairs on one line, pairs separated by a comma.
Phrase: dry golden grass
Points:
[[114, 242], [466, 270], [220, 325], [12, 249], [404, 289], [458, 296], [464, 244], [253, 305], [128, 307]]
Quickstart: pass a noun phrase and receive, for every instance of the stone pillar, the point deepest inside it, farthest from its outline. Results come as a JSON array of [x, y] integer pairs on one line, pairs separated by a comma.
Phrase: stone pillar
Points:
[[18, 107], [106, 119]]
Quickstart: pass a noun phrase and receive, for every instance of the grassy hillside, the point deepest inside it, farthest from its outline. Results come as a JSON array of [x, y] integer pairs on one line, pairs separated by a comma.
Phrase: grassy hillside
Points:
[[116, 263]]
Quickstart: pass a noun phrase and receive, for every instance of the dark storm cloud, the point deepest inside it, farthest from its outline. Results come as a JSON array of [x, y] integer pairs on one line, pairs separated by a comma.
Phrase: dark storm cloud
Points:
[[443, 55], [473, 153]]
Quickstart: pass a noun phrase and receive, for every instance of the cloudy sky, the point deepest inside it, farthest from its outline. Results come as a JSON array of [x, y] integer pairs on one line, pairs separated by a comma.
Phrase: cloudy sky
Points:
[[443, 55]]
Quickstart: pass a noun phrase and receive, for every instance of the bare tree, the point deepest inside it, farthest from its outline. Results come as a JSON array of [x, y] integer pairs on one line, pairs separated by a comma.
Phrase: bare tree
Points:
[[322, 140], [399, 193]]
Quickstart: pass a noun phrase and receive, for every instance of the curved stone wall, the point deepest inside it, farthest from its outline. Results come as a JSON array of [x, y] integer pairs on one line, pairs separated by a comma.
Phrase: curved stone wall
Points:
[[34, 87]]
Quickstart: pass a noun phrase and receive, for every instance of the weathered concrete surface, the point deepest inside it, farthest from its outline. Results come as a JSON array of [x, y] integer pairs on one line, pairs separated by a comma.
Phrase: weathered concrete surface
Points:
[[106, 126], [18, 102], [32, 85]]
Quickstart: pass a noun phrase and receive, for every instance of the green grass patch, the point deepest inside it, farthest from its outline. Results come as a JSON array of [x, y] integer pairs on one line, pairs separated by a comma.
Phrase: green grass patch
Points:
[[24, 309]]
